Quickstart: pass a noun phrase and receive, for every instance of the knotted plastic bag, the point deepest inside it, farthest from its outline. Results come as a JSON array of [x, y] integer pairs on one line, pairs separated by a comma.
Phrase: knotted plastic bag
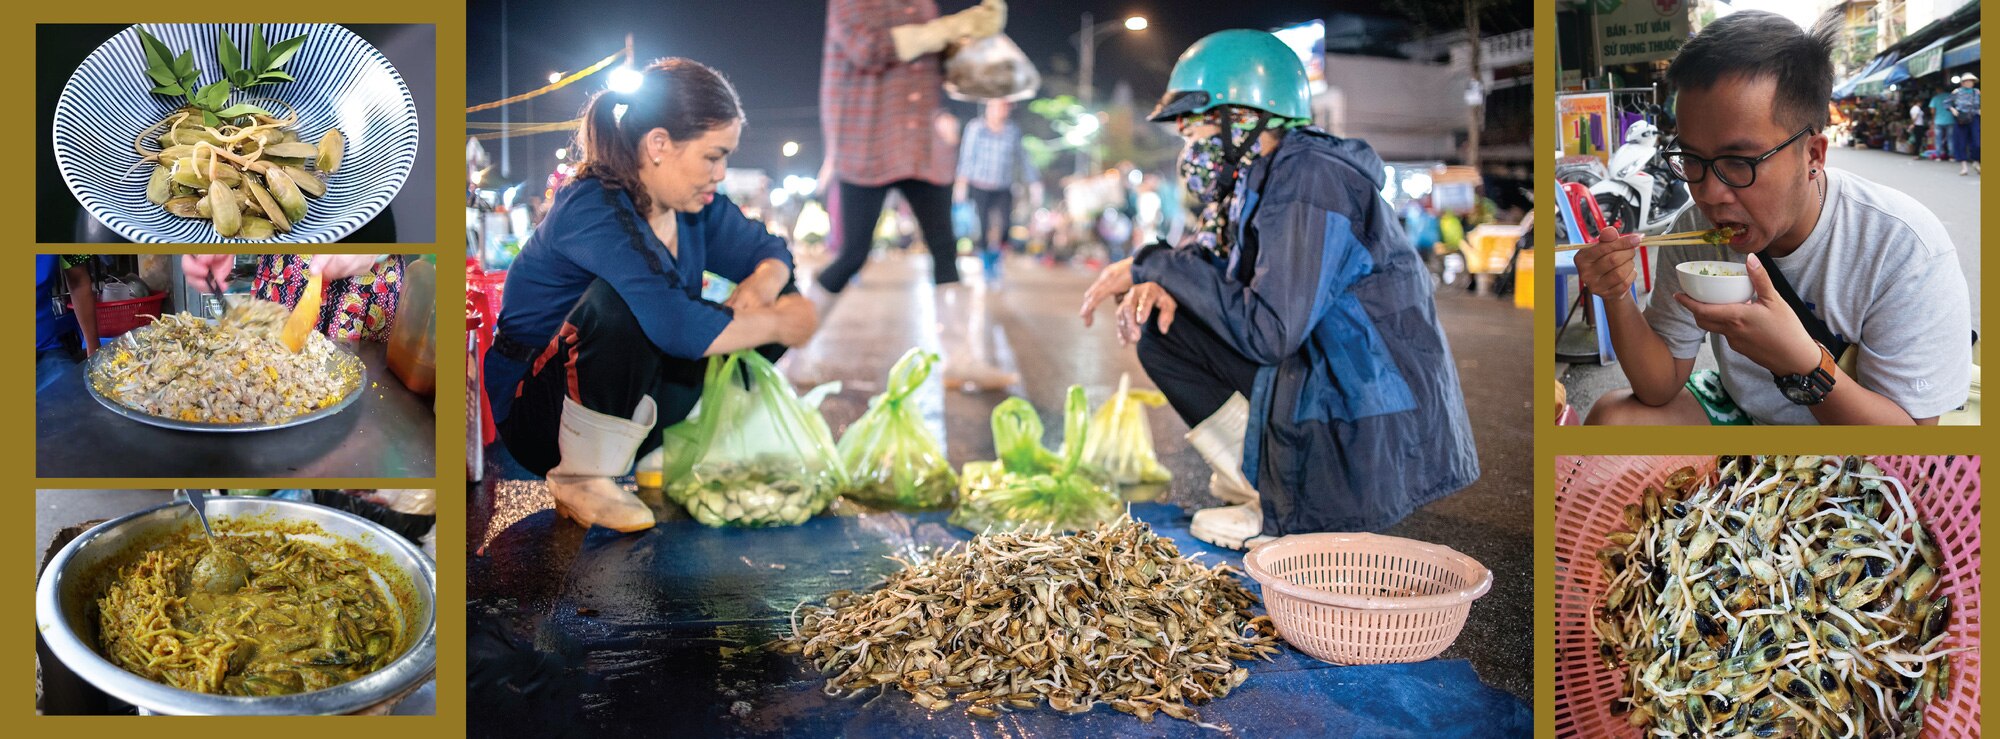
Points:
[[1030, 486], [1120, 441], [989, 68], [754, 454], [891, 457]]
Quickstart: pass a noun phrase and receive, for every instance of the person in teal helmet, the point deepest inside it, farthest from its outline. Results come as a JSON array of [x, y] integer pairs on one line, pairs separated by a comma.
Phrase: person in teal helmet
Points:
[[1293, 329]]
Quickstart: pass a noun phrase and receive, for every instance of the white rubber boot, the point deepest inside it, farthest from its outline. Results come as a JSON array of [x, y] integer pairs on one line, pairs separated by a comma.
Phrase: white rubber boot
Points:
[[597, 447], [804, 365], [962, 322], [1230, 527], [649, 473], [1219, 441]]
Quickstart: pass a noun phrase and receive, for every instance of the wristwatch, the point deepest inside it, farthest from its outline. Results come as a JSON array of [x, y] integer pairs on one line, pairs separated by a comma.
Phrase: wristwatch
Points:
[[1810, 388]]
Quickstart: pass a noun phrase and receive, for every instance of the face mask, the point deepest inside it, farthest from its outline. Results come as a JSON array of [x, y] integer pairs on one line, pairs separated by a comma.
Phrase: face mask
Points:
[[1209, 175]]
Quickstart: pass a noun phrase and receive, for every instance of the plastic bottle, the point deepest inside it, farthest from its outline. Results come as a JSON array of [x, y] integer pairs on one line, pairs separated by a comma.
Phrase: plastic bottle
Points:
[[413, 341]]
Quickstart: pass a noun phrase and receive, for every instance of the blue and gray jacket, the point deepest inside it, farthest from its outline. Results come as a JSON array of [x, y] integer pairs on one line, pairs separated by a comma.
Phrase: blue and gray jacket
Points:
[[1357, 417]]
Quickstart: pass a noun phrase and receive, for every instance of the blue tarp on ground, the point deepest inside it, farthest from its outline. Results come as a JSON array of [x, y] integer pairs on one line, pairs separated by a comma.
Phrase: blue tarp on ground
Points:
[[649, 634]]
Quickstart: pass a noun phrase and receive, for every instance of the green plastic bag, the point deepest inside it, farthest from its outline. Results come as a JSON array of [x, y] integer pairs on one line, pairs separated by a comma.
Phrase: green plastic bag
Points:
[[1030, 486], [891, 457], [1120, 442], [753, 454]]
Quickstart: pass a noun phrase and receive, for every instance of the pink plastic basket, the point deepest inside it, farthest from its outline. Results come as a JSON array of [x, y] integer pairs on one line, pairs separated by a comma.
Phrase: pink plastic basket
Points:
[[1591, 494], [1360, 599]]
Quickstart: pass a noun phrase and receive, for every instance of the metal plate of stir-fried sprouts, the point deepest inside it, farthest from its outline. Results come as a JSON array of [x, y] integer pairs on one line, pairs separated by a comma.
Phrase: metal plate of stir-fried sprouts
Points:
[[1112, 615], [185, 372], [1777, 597]]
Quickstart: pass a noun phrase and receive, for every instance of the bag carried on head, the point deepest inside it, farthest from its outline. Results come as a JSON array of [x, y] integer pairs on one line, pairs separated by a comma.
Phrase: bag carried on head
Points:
[[989, 68]]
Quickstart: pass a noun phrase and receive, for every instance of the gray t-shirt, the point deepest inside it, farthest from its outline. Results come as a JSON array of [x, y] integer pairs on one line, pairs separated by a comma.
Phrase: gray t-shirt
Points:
[[1880, 270]]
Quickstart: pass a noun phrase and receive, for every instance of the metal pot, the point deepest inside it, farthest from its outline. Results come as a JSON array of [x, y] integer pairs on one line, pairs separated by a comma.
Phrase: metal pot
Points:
[[66, 615]]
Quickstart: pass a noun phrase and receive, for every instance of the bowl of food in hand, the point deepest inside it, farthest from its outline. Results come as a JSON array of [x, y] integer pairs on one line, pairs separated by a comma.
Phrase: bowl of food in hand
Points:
[[293, 608], [201, 133], [1715, 282]]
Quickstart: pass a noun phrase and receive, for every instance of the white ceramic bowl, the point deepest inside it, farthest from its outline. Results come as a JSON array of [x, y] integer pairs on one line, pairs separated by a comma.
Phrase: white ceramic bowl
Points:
[[342, 82], [1731, 288]]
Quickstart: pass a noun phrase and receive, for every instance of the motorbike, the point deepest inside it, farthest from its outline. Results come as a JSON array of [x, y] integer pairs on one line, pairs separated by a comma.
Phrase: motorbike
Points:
[[1638, 194]]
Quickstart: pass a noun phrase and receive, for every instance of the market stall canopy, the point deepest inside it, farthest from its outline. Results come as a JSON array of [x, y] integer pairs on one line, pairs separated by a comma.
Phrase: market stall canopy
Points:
[[1927, 60], [1874, 84], [1847, 89], [1963, 54], [1930, 59]]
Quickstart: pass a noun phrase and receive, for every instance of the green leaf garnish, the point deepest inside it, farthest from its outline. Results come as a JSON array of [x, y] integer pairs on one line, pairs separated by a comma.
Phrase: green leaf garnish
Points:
[[176, 74], [225, 52]]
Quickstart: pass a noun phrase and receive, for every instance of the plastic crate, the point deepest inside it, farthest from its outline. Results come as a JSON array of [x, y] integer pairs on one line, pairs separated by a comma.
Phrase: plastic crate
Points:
[[1591, 494], [119, 316]]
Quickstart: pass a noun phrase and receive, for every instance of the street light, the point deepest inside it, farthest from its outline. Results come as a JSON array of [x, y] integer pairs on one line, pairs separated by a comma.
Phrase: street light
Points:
[[555, 77], [625, 80], [1086, 41], [791, 148]]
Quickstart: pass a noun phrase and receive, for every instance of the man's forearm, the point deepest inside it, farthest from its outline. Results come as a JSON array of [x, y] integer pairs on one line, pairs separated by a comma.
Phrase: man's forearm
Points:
[[1850, 404], [1648, 365]]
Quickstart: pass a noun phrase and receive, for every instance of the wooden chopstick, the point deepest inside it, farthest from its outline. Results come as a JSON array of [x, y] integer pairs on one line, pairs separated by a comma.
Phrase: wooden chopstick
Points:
[[1666, 240]]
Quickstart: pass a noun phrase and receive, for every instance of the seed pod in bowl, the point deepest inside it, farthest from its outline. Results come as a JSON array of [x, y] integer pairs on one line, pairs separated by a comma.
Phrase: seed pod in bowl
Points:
[[286, 190], [312, 184], [269, 205], [291, 150], [160, 186], [331, 147], [228, 213], [255, 228]]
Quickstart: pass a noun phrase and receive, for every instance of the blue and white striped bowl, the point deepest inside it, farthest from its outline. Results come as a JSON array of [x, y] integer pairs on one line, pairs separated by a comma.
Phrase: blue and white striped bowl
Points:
[[342, 82]]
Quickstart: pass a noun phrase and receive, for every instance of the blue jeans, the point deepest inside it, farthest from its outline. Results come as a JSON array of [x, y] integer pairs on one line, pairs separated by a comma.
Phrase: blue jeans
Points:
[[1965, 141]]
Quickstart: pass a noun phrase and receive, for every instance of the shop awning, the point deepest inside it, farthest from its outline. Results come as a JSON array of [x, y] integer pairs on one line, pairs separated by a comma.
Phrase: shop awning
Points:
[[1927, 60], [1847, 89], [1963, 54], [1875, 84]]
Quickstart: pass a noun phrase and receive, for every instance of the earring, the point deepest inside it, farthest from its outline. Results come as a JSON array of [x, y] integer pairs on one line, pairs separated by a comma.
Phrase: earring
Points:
[[656, 161]]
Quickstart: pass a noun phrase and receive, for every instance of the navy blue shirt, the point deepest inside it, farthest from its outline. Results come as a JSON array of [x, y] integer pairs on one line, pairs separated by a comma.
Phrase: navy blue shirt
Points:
[[593, 232]]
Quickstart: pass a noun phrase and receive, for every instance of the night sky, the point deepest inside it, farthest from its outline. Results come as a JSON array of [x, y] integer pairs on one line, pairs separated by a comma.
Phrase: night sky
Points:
[[771, 49]]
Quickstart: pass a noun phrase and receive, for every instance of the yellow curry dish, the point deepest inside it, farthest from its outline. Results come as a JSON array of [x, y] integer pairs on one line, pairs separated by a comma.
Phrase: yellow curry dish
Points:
[[265, 612]]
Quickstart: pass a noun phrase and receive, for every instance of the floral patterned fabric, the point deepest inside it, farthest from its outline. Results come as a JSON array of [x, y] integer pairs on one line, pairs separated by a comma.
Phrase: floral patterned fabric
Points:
[[358, 308]]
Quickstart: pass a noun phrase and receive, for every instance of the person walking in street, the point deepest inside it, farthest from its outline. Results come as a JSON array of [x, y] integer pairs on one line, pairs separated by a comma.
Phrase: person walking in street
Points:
[[1917, 127], [992, 162], [1942, 123], [1965, 133], [880, 89], [1839, 265], [1295, 331]]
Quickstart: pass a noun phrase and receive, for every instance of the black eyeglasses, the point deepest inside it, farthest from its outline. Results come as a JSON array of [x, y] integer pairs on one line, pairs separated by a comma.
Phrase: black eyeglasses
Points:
[[1734, 171]]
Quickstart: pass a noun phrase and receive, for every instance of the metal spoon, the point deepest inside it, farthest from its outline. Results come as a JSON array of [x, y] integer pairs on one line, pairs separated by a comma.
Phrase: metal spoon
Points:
[[198, 503], [220, 296], [219, 570]]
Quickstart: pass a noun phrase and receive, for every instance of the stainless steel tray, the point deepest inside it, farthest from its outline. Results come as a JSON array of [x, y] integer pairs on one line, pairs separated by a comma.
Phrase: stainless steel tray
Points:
[[339, 362]]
